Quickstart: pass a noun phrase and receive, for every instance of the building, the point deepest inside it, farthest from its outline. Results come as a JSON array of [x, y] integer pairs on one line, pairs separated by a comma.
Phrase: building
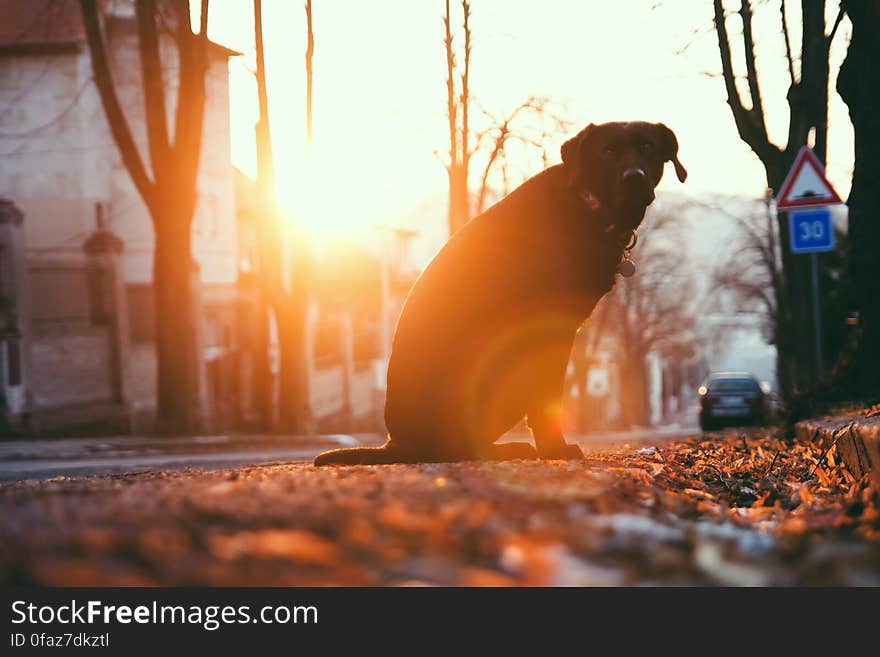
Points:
[[77, 242]]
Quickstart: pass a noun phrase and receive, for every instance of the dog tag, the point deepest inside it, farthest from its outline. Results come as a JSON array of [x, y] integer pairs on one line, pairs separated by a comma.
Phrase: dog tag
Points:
[[627, 268]]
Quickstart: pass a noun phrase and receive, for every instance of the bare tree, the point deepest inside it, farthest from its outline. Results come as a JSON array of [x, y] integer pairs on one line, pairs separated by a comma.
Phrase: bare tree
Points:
[[857, 84], [310, 54], [752, 272], [458, 101], [261, 374], [584, 352], [653, 311], [168, 189], [750, 279], [807, 99], [289, 302], [531, 124]]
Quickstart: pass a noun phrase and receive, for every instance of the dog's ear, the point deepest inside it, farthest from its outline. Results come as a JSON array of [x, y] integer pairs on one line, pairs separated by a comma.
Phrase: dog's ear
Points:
[[571, 153], [669, 149]]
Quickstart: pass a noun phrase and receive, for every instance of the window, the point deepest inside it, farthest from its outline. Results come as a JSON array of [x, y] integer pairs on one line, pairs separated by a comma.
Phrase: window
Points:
[[328, 343], [13, 363]]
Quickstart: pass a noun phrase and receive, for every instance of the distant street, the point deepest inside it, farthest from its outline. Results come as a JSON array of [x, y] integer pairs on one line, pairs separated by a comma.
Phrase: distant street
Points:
[[78, 457]]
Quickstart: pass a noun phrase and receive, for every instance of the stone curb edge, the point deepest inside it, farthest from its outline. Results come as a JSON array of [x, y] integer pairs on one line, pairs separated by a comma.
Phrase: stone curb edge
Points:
[[857, 439]]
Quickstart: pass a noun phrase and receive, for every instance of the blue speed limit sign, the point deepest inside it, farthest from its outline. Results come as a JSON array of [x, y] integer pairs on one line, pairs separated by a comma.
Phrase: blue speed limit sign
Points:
[[811, 231]]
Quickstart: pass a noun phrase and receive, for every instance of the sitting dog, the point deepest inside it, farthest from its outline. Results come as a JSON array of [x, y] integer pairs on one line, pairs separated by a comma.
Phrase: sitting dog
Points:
[[485, 334]]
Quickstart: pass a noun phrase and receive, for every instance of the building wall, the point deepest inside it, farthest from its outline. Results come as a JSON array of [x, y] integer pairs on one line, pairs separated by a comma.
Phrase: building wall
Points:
[[52, 107], [325, 387], [58, 160], [70, 365], [65, 160], [362, 393]]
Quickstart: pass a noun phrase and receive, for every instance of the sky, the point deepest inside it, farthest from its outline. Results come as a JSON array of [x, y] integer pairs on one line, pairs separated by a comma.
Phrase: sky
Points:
[[379, 91]]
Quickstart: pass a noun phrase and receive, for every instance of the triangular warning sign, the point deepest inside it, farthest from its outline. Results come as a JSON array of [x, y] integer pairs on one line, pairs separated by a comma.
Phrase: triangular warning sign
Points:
[[805, 185]]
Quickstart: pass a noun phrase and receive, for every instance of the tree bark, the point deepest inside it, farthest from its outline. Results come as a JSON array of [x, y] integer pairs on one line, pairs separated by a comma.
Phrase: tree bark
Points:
[[290, 308], [261, 384], [457, 105], [177, 385], [807, 98], [310, 53], [635, 395], [858, 83], [170, 196], [293, 395]]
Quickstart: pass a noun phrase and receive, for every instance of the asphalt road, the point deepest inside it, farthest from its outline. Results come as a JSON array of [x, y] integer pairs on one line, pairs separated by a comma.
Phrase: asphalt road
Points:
[[76, 457]]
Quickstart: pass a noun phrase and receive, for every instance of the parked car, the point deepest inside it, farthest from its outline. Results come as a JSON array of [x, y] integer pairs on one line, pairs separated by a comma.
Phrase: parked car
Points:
[[732, 399]]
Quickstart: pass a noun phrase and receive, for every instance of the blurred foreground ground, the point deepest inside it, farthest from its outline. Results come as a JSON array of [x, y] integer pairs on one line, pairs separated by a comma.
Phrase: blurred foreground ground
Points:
[[723, 509]]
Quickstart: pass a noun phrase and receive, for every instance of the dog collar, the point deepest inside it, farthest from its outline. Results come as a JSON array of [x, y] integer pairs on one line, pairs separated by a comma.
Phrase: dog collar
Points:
[[627, 241]]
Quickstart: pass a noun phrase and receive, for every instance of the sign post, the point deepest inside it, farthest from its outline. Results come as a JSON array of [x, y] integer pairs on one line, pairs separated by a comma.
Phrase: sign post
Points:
[[806, 195]]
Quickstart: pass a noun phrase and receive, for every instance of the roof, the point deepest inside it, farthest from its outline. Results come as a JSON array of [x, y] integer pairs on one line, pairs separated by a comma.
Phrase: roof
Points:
[[28, 26]]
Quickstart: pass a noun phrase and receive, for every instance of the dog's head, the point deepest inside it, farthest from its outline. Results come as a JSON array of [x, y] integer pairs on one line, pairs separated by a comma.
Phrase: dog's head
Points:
[[620, 164]]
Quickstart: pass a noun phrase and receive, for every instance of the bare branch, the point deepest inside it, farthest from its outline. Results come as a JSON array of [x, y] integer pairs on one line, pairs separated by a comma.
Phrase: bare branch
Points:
[[785, 34], [451, 107], [154, 87], [840, 13], [115, 117], [465, 75], [498, 147], [188, 122], [750, 129], [757, 110], [500, 133], [310, 52]]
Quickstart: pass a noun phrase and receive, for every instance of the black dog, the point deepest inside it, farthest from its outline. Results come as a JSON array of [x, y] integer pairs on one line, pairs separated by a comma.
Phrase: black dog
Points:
[[484, 337]]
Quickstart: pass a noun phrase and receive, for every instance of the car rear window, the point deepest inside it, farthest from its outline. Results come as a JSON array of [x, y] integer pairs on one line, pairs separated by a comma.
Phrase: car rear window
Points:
[[733, 385]]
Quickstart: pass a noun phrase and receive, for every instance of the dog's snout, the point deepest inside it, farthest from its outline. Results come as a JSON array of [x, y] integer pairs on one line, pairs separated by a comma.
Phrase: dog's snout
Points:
[[634, 175]]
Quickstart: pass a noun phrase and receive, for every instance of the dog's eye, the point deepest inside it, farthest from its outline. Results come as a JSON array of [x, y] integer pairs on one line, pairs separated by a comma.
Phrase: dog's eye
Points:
[[647, 147], [610, 150]]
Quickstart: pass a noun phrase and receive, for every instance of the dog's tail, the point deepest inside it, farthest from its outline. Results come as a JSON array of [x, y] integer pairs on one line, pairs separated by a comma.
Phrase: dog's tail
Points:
[[385, 454]]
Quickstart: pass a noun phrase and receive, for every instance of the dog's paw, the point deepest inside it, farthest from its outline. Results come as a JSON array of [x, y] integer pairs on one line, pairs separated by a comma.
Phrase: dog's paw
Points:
[[562, 452]]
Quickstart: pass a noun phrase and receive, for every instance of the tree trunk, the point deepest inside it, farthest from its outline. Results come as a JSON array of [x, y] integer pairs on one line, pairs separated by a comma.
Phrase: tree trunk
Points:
[[635, 395], [291, 315], [459, 199], [177, 409], [457, 105], [857, 84], [794, 318], [261, 375], [808, 109], [293, 402], [171, 196]]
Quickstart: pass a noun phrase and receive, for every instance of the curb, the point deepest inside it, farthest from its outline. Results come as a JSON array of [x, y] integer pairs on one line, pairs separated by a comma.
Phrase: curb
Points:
[[857, 438]]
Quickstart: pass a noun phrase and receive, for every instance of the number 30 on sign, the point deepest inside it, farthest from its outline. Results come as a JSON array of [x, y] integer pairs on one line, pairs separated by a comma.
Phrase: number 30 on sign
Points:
[[811, 231]]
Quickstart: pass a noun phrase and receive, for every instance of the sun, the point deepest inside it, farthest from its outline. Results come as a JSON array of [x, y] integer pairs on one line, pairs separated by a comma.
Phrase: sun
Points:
[[329, 198], [314, 202]]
